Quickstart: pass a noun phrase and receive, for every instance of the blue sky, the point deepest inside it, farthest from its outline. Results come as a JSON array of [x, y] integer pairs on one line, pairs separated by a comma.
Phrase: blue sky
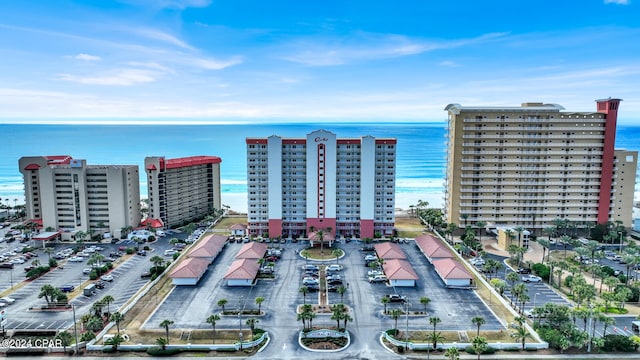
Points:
[[247, 61]]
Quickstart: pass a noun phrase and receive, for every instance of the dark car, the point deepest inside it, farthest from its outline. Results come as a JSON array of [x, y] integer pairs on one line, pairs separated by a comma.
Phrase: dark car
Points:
[[99, 284], [332, 288], [67, 288], [142, 253], [524, 271], [6, 266], [145, 274]]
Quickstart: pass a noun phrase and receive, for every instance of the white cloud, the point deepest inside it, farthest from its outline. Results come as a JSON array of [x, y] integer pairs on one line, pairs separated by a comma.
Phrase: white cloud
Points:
[[171, 4], [366, 46], [449, 63], [87, 57], [119, 77], [163, 37], [211, 64], [619, 2]]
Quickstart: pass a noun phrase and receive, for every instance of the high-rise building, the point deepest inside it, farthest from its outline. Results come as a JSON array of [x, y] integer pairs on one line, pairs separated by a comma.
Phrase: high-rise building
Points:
[[530, 165], [183, 189], [344, 186], [69, 195]]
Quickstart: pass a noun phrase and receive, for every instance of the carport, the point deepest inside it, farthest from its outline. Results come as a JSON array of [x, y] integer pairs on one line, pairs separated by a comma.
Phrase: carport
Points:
[[389, 250], [400, 272], [208, 247], [47, 236], [433, 248], [238, 230], [452, 273], [242, 272], [189, 271], [252, 250]]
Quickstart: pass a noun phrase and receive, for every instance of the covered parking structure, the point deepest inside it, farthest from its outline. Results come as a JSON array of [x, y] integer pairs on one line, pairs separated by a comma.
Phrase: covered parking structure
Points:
[[389, 250], [189, 271], [208, 247], [400, 273], [433, 248], [242, 272], [453, 273], [252, 250]]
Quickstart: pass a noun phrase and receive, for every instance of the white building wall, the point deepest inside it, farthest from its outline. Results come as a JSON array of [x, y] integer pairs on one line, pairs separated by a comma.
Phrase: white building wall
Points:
[[329, 170], [367, 177], [239, 282], [274, 170]]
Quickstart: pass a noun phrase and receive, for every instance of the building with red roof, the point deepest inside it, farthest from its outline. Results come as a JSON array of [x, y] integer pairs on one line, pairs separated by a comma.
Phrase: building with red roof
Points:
[[453, 273], [252, 250], [319, 182], [238, 229], [242, 272], [208, 247], [389, 250], [433, 248], [182, 189], [69, 195], [189, 271], [399, 272]]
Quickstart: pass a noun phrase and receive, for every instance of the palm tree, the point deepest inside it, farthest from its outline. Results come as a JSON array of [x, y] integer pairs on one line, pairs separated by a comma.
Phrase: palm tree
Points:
[[107, 299], [479, 345], [395, 314], [520, 333], [117, 317], [259, 300], [434, 320], [338, 312], [478, 321], [162, 342], [336, 253], [435, 338], [565, 239], [545, 246], [48, 292], [165, 324], [304, 291], [157, 261], [212, 319], [341, 290], [95, 324], [97, 308], [452, 353], [80, 236], [222, 303], [251, 323], [425, 301], [48, 251], [65, 338], [385, 300], [115, 341], [480, 225]]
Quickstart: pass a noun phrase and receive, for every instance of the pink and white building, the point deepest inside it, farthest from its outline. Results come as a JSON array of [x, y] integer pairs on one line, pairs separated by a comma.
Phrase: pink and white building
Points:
[[320, 182]]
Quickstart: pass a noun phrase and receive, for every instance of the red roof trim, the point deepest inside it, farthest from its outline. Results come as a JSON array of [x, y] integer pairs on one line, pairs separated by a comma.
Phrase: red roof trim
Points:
[[151, 167], [58, 159], [256, 141], [294, 141], [191, 161], [386, 141], [348, 141], [32, 167]]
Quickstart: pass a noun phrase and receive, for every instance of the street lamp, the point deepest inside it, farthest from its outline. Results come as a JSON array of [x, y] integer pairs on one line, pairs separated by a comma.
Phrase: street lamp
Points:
[[240, 309], [620, 233], [406, 335], [75, 327]]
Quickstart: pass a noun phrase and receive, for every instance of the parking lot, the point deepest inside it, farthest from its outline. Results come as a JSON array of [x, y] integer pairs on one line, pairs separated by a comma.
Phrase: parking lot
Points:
[[189, 306], [126, 282]]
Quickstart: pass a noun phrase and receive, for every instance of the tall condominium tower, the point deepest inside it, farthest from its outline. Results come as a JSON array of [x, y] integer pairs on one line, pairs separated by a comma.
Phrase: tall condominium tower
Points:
[[530, 165], [68, 194], [346, 186], [183, 189]]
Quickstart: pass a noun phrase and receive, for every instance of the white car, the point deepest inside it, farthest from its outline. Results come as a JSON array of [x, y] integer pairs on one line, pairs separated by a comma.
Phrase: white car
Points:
[[370, 258], [334, 267], [86, 271], [169, 252], [76, 259], [8, 300], [531, 278], [106, 277], [17, 261]]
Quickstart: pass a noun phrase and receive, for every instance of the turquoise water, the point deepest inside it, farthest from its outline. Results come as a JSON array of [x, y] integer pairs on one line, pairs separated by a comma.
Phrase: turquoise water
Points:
[[420, 150]]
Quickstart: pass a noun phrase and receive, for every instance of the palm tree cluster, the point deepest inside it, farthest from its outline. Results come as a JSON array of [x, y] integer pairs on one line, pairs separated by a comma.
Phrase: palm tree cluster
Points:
[[306, 316], [53, 296]]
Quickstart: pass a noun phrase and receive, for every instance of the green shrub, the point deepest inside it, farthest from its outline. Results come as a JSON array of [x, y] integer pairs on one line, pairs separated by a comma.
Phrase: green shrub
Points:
[[392, 332], [158, 351], [93, 274], [488, 350], [568, 280], [541, 270], [634, 292], [129, 251], [227, 350], [618, 343], [400, 349]]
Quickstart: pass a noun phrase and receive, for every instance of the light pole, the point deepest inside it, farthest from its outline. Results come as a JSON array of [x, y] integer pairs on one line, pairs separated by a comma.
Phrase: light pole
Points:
[[240, 308], [406, 334], [75, 327], [588, 327], [620, 233], [533, 311]]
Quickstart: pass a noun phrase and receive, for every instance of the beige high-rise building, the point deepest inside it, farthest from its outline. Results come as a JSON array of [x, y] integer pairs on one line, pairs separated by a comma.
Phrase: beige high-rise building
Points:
[[183, 189], [529, 165], [67, 194]]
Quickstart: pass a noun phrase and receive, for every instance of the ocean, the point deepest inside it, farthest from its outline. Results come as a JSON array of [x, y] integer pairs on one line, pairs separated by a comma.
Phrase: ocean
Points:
[[420, 151]]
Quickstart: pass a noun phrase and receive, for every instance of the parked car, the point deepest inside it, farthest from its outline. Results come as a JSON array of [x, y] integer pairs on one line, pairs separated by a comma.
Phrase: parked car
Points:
[[310, 268], [377, 278], [145, 274], [169, 252], [370, 258], [6, 265], [8, 300], [99, 284], [76, 259], [67, 288], [531, 278], [524, 271], [106, 277], [310, 281], [142, 253], [334, 267], [396, 298]]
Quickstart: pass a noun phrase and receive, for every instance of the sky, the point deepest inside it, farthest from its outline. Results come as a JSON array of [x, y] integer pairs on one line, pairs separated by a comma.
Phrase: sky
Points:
[[217, 61]]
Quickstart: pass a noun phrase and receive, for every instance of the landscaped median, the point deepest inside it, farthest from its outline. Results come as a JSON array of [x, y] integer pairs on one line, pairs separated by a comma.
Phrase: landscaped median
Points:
[[324, 340]]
